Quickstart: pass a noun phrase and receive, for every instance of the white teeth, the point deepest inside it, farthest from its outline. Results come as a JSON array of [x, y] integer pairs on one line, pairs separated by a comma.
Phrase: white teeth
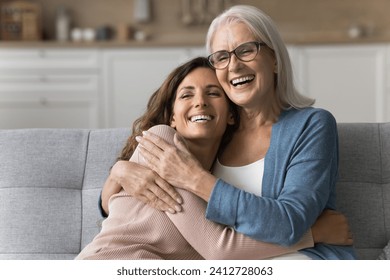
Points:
[[242, 80], [201, 118]]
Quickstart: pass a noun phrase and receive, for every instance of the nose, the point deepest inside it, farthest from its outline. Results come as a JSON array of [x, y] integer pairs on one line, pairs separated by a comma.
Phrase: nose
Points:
[[200, 101], [234, 63]]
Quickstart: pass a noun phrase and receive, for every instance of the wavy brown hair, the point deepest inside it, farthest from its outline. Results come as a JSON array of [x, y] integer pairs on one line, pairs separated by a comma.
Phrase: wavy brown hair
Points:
[[160, 107]]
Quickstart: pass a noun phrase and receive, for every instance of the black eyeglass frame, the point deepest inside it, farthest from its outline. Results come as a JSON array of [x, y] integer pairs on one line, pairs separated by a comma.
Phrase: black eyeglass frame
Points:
[[258, 45]]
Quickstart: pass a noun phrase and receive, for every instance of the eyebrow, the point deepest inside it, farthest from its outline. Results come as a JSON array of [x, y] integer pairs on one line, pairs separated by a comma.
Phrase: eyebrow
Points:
[[207, 87]]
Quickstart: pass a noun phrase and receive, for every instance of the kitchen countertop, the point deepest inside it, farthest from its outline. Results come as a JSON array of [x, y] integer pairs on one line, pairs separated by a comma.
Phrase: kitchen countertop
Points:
[[333, 37], [173, 40], [319, 38], [103, 44]]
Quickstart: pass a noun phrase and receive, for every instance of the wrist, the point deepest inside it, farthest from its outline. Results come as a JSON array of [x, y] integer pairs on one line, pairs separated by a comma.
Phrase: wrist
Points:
[[111, 187], [203, 185], [116, 174]]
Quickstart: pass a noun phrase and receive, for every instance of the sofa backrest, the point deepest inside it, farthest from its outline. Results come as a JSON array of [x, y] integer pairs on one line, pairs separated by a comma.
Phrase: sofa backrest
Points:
[[50, 180], [363, 189]]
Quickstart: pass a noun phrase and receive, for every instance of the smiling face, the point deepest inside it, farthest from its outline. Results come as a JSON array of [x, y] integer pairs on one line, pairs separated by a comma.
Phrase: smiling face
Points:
[[201, 109], [248, 84]]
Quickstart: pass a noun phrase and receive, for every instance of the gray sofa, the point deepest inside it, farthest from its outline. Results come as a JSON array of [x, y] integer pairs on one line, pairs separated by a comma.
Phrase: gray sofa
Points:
[[50, 181]]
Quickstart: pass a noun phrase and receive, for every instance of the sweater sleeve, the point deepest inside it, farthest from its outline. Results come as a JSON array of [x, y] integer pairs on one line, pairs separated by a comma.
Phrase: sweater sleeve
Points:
[[299, 180], [216, 241], [101, 210]]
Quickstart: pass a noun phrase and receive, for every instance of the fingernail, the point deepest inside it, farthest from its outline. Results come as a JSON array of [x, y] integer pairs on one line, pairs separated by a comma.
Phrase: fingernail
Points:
[[170, 210], [178, 208], [145, 132], [179, 200], [138, 138]]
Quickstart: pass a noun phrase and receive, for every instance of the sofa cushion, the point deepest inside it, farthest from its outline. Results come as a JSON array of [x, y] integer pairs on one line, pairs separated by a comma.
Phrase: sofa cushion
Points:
[[104, 146], [41, 178], [363, 189]]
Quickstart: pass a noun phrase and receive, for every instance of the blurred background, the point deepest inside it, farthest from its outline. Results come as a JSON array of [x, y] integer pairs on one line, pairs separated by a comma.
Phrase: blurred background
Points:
[[94, 63]]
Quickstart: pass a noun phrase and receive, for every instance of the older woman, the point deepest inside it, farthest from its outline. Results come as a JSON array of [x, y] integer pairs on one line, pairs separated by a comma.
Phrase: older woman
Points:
[[278, 173]]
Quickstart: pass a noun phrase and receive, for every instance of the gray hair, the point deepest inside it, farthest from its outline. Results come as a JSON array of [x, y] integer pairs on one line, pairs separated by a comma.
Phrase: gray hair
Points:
[[264, 29]]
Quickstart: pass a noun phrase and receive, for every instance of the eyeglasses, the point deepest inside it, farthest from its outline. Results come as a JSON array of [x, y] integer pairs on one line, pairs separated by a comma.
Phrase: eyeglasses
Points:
[[244, 52]]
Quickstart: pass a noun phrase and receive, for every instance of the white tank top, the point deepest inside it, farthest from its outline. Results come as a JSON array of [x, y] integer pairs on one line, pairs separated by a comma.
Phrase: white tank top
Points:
[[247, 177], [250, 179]]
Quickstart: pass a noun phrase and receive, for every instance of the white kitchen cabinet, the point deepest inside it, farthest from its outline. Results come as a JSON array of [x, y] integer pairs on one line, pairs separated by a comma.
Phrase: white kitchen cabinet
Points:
[[131, 76], [351, 81], [92, 88], [44, 88]]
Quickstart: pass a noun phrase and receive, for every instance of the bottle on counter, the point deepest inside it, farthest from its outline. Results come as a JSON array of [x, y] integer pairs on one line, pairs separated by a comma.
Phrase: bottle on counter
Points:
[[62, 24]]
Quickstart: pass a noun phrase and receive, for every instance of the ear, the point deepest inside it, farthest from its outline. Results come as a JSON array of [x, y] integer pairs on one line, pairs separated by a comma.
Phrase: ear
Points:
[[230, 120], [173, 122]]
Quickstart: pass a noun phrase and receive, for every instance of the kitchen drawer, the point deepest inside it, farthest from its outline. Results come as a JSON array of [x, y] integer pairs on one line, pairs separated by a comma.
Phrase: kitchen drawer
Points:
[[33, 86], [54, 59], [51, 114]]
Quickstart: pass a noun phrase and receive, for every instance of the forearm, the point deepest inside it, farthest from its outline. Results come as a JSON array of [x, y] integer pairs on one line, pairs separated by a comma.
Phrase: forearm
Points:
[[110, 187], [261, 218], [221, 242], [202, 184], [114, 182]]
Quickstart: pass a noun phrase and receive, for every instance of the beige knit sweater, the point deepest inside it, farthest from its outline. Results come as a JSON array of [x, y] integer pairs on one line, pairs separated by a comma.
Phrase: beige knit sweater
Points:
[[133, 230]]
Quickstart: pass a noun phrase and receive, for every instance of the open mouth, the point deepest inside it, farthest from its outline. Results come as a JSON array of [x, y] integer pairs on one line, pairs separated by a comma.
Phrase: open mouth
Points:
[[242, 80], [201, 118]]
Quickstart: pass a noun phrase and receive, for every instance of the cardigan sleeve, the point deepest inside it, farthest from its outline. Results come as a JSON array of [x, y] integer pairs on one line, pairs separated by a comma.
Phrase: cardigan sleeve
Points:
[[214, 241], [299, 180]]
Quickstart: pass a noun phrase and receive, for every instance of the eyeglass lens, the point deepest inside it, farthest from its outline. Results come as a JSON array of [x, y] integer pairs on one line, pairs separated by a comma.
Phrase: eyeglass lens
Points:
[[245, 52]]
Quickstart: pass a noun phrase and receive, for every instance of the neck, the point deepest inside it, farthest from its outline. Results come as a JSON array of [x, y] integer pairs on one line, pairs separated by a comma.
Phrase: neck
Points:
[[266, 114], [204, 151]]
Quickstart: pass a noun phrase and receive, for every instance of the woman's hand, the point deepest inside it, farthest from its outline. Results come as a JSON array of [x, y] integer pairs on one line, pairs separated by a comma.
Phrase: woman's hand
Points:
[[143, 184], [175, 164], [332, 227]]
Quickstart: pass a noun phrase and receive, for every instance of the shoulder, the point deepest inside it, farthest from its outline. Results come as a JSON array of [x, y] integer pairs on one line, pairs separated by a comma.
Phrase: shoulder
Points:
[[307, 116], [156, 129], [306, 122], [164, 131]]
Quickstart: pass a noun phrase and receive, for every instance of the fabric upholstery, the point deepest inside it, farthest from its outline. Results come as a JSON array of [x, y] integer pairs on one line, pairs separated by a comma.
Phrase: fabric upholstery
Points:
[[50, 180], [364, 184]]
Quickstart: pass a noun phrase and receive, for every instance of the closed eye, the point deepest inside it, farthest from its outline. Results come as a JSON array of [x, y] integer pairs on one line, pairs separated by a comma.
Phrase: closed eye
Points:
[[245, 52], [216, 94], [214, 90], [221, 56], [186, 95]]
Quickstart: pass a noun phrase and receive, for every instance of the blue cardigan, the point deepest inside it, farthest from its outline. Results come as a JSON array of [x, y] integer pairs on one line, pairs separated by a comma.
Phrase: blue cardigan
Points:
[[300, 174]]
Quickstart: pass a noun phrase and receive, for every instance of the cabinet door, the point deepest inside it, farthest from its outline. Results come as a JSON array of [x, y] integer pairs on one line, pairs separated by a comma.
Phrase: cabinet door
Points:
[[47, 100], [49, 88], [349, 81], [53, 59], [131, 77], [48, 114]]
